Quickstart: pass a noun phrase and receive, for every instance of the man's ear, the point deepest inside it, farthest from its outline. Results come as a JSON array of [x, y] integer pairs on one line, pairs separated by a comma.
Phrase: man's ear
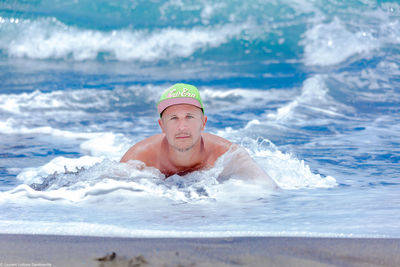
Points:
[[204, 122], [160, 122]]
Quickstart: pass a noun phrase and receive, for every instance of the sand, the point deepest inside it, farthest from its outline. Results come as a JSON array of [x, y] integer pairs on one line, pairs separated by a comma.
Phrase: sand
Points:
[[52, 250]]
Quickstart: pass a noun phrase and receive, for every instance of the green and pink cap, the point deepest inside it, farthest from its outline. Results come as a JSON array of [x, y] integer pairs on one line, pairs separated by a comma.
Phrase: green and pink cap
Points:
[[180, 93]]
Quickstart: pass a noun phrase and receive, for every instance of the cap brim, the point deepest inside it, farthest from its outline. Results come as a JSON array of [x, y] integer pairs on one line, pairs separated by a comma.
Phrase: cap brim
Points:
[[176, 101]]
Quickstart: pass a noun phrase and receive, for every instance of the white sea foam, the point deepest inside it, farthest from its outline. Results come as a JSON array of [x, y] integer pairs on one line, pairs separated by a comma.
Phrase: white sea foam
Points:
[[222, 101], [41, 113], [109, 230], [13, 103], [11, 126], [52, 101], [373, 83], [85, 177], [288, 171], [315, 97], [332, 43], [57, 165], [106, 145], [76, 101], [49, 38]]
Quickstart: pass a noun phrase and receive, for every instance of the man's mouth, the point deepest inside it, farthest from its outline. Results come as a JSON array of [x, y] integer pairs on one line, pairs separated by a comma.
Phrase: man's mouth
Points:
[[182, 136]]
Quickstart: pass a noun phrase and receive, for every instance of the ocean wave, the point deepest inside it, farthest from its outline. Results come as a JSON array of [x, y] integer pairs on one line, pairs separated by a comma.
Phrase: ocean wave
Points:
[[45, 38], [314, 97], [332, 43], [338, 41], [330, 37], [288, 171], [79, 179]]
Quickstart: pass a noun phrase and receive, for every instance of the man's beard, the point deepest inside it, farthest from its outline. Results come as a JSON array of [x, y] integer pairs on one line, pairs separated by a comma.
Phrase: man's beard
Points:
[[184, 149]]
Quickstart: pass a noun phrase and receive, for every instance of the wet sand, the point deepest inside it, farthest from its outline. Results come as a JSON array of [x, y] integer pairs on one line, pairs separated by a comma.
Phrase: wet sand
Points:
[[51, 250]]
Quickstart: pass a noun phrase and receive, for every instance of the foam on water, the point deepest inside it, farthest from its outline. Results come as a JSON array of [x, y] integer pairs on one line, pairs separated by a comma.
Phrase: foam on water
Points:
[[291, 173], [314, 96], [76, 179], [49, 38], [79, 115], [331, 38], [93, 229], [332, 43], [76, 100], [10, 126], [88, 185], [342, 39]]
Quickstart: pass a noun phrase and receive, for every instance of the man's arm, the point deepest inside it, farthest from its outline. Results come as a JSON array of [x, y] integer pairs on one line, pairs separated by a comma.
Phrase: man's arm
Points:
[[144, 151], [134, 153], [239, 164]]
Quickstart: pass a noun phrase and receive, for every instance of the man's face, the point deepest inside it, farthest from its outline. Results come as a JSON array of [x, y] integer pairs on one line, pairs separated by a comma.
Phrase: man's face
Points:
[[182, 125]]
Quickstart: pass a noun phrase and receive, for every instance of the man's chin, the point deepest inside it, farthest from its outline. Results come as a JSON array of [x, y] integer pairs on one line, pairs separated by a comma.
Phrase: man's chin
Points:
[[183, 148]]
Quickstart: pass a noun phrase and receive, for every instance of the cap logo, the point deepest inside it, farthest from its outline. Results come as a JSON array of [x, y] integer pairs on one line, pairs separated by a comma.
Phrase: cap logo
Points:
[[184, 93], [179, 93]]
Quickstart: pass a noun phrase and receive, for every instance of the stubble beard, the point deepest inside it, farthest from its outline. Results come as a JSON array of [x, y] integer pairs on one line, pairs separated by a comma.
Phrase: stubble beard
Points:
[[185, 149]]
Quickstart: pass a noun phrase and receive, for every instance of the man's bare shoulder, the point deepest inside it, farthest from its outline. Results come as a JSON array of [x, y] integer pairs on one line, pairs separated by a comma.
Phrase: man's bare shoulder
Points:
[[144, 150], [218, 140], [217, 144]]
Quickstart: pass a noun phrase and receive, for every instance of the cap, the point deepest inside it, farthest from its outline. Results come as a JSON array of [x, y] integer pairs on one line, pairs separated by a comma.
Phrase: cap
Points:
[[180, 93]]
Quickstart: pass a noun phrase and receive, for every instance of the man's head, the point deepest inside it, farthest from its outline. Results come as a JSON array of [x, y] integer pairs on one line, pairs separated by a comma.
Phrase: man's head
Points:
[[179, 93], [182, 116]]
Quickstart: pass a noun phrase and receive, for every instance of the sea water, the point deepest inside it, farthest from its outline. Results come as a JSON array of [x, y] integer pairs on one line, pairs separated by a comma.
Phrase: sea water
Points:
[[311, 89]]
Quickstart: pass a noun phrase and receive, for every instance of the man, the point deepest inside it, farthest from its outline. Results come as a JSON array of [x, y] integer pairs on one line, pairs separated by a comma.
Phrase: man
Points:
[[183, 147]]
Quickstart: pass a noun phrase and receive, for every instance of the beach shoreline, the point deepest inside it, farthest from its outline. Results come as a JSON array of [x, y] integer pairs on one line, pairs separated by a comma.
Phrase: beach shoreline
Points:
[[57, 250]]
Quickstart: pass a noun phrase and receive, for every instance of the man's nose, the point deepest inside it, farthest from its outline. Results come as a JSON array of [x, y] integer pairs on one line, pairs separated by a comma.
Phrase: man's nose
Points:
[[182, 124]]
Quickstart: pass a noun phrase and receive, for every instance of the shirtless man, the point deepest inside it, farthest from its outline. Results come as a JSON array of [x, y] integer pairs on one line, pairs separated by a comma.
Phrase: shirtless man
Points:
[[183, 147]]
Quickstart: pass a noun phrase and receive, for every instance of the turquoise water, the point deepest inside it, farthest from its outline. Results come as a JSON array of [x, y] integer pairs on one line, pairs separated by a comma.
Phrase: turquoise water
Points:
[[309, 88]]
